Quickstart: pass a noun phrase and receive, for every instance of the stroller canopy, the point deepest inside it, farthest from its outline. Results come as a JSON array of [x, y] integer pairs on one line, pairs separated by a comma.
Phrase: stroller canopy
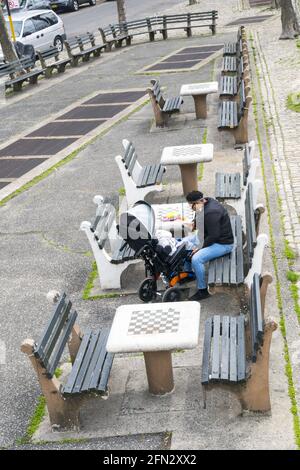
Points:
[[137, 225]]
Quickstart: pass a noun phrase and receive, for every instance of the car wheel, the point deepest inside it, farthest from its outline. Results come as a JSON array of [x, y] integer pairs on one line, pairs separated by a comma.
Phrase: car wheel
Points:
[[58, 42], [74, 5], [92, 3]]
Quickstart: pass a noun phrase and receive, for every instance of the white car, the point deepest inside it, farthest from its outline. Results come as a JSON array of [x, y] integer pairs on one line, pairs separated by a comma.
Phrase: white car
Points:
[[39, 28]]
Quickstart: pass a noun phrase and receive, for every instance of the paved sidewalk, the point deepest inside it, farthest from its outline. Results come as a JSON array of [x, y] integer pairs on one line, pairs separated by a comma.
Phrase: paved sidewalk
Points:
[[42, 249]]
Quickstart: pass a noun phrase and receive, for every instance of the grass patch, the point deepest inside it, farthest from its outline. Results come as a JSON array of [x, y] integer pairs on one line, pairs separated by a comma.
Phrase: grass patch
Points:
[[293, 102], [58, 372], [122, 192], [90, 285], [35, 422], [288, 251]]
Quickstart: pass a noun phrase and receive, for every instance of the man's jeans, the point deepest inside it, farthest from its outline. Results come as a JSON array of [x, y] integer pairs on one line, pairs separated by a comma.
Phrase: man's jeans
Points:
[[203, 256]]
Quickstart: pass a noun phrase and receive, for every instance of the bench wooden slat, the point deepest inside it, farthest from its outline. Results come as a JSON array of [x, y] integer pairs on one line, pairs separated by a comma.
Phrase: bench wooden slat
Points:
[[233, 348], [215, 369], [206, 351], [102, 387], [90, 371], [86, 362], [60, 346], [55, 333], [225, 349], [68, 388], [100, 361], [59, 309], [241, 352]]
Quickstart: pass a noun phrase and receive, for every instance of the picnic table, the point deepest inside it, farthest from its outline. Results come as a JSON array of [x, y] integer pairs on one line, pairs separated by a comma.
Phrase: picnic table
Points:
[[199, 92], [188, 157], [156, 330]]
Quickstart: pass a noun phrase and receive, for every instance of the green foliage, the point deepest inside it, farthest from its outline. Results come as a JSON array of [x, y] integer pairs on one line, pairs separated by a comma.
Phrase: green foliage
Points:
[[35, 421], [288, 251], [293, 102], [58, 372]]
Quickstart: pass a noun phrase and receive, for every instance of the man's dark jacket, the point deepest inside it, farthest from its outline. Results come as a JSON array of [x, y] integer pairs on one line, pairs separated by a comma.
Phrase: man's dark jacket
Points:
[[217, 226]]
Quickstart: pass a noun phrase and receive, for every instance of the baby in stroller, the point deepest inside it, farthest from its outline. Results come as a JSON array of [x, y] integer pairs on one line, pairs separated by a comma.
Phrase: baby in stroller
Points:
[[163, 255]]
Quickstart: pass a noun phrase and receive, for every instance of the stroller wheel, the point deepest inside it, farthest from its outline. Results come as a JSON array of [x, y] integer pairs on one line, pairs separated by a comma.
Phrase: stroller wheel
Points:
[[147, 290], [173, 294]]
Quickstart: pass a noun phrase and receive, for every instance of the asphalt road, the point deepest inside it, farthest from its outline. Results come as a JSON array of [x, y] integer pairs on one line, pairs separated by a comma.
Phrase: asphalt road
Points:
[[91, 18]]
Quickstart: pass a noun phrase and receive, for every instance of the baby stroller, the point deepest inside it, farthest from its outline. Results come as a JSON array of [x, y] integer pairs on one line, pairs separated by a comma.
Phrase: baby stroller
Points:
[[137, 228]]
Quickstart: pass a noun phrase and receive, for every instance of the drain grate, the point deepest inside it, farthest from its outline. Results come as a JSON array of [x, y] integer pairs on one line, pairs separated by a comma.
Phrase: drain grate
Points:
[[57, 135], [117, 97], [29, 147], [66, 128], [186, 58], [250, 19], [93, 112], [16, 167]]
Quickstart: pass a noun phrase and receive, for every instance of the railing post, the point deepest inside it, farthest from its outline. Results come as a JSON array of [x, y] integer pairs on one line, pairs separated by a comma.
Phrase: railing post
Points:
[[214, 25]]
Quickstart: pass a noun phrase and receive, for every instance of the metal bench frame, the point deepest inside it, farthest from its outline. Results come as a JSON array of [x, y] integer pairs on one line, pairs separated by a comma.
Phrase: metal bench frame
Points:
[[247, 375], [163, 108], [102, 230], [58, 64], [80, 42], [91, 364], [23, 67], [132, 173]]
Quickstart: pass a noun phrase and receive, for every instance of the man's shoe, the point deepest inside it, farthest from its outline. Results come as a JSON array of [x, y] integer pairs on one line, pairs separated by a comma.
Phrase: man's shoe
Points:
[[201, 294]]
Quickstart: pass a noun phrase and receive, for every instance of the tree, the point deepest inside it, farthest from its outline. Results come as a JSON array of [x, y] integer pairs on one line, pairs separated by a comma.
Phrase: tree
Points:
[[290, 20], [192, 2], [121, 11], [8, 49], [275, 4]]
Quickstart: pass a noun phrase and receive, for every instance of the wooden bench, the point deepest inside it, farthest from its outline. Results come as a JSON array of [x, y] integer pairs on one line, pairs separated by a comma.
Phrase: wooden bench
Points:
[[230, 188], [229, 84], [227, 273], [163, 108], [91, 364], [111, 253], [235, 48], [82, 47], [138, 181], [233, 115], [57, 64], [236, 350], [20, 71], [149, 25], [115, 35], [188, 21]]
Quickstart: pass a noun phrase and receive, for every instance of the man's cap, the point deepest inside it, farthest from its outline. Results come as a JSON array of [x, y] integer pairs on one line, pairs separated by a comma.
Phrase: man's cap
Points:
[[194, 196]]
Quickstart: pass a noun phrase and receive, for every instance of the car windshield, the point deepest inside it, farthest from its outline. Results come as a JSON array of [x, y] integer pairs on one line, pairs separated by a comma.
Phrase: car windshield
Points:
[[17, 27]]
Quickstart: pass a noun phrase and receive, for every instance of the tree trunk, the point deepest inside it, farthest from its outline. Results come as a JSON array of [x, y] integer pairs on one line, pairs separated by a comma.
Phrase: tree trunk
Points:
[[121, 11], [192, 2], [8, 49], [289, 19], [275, 4]]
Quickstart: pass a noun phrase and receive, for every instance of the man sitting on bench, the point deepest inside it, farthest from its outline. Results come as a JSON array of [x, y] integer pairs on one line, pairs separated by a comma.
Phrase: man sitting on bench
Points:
[[214, 237]]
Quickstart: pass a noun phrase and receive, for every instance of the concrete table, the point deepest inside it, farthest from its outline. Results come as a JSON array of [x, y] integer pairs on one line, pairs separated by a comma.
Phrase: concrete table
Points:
[[187, 157], [199, 92], [173, 216], [155, 329]]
